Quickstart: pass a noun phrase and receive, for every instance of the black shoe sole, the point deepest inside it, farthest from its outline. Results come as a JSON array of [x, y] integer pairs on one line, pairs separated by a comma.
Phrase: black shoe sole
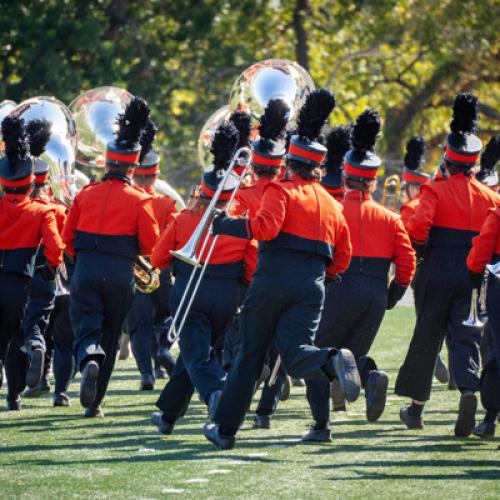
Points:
[[348, 375], [376, 408], [147, 387], [285, 391], [466, 420], [410, 425], [62, 403], [88, 385], [35, 369], [228, 446]]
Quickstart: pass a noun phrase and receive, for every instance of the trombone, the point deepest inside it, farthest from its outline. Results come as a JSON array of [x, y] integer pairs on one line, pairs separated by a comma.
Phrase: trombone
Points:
[[188, 253], [473, 319]]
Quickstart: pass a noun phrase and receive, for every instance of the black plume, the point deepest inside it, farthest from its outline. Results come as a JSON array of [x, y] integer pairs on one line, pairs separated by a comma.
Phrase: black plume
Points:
[[365, 131], [491, 154], [415, 152], [39, 135], [224, 144], [314, 113], [338, 142], [465, 113], [147, 138], [243, 124], [274, 120], [15, 139], [131, 123]]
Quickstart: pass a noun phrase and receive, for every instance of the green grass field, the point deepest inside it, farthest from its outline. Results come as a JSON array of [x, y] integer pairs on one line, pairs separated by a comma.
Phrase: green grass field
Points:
[[48, 452]]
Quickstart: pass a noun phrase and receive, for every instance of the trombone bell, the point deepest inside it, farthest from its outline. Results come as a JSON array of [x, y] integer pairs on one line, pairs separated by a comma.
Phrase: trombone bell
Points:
[[473, 319], [186, 255]]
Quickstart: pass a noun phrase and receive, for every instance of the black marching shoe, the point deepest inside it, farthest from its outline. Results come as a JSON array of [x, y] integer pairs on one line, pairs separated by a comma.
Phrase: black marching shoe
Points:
[[61, 399], [411, 421], [344, 366], [88, 384], [337, 397], [441, 370], [166, 360], [213, 402], [35, 369], [160, 373], [298, 382], [14, 405], [147, 382], [285, 390], [317, 435], [94, 411], [376, 394], [466, 419], [484, 430], [163, 427], [43, 387], [211, 432], [262, 422]]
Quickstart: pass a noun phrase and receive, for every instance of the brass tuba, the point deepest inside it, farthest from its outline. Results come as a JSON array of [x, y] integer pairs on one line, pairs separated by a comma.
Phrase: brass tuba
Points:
[[391, 192]]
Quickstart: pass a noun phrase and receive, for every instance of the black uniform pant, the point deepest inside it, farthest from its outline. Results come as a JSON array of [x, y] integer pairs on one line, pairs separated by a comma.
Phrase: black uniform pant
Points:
[[145, 320], [270, 395], [442, 295], [198, 365], [37, 316], [102, 288], [283, 303], [490, 376], [351, 318], [63, 338]]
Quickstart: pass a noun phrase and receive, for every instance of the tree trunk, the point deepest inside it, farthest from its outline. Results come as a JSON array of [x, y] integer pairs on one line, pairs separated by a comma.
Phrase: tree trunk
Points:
[[301, 45]]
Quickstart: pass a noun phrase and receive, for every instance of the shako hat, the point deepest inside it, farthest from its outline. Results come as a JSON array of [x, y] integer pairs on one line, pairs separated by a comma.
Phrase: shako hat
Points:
[[243, 123], [462, 146], [38, 135], [414, 158], [16, 167], [125, 149], [149, 161], [361, 160], [304, 146], [224, 145], [338, 142]]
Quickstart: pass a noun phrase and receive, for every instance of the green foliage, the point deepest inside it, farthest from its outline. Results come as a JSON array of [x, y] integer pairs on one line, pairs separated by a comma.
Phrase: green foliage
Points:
[[408, 58]]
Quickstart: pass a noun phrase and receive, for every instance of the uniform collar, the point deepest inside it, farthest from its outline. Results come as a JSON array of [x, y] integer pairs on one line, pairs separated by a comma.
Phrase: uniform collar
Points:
[[117, 177], [356, 194], [16, 197]]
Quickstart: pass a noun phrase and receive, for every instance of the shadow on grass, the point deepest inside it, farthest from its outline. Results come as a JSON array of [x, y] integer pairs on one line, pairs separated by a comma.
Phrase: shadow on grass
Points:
[[489, 474]]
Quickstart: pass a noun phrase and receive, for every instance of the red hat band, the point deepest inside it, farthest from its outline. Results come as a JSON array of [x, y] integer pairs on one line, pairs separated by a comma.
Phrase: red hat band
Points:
[[131, 158], [152, 170], [295, 150], [415, 178], [41, 178], [18, 183], [209, 192], [450, 154], [263, 161], [366, 173]]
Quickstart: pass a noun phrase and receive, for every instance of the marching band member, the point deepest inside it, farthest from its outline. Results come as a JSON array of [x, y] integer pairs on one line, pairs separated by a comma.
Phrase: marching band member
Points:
[[213, 309], [23, 224], [449, 214], [26, 363], [413, 179], [108, 225], [302, 236], [267, 161], [150, 311], [355, 307], [486, 250]]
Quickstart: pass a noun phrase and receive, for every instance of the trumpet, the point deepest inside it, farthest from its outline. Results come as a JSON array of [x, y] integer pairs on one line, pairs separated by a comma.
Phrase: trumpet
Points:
[[147, 277], [391, 192], [189, 252]]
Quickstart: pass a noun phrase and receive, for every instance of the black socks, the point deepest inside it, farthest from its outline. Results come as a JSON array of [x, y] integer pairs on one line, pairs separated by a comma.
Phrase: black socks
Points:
[[415, 410]]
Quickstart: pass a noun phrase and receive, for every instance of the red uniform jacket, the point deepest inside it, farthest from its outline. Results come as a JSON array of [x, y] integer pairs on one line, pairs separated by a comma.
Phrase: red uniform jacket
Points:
[[111, 217], [239, 255], [247, 199], [23, 224], [408, 209], [299, 214], [486, 247], [451, 212], [378, 238], [163, 207]]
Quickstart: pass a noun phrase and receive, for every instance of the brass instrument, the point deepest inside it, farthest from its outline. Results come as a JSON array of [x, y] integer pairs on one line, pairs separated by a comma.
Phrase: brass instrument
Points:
[[60, 150], [473, 319], [5, 108], [191, 252], [391, 192], [147, 277]]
